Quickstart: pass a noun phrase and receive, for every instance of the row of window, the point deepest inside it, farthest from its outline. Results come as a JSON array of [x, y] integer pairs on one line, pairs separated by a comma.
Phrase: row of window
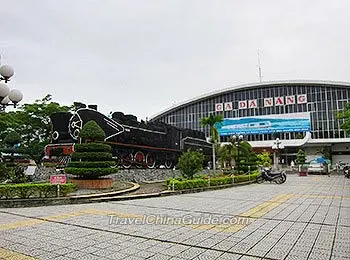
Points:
[[323, 104]]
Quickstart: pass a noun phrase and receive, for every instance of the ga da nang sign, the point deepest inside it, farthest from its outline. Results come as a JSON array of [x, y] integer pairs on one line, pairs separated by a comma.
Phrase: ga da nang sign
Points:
[[267, 102]]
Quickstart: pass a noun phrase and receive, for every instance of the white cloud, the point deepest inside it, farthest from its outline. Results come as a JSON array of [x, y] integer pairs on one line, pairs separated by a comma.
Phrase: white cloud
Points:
[[142, 56]]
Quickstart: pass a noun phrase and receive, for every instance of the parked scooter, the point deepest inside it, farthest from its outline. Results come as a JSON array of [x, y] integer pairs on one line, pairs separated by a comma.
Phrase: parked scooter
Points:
[[346, 171], [276, 177], [340, 166]]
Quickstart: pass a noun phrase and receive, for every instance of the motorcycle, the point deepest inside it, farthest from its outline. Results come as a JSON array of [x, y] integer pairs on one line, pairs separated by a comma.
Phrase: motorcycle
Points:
[[340, 166], [268, 175], [346, 171]]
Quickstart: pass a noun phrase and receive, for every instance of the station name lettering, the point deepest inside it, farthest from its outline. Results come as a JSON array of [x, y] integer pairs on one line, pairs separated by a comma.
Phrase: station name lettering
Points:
[[267, 102]]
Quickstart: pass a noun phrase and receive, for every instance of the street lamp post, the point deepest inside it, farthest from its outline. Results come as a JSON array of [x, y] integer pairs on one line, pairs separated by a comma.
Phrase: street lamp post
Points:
[[277, 144], [8, 97], [237, 141]]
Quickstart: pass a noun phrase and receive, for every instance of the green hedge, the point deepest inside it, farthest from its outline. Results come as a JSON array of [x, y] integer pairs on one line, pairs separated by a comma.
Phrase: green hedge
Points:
[[90, 172], [91, 156], [93, 147], [78, 164], [34, 190], [204, 182]]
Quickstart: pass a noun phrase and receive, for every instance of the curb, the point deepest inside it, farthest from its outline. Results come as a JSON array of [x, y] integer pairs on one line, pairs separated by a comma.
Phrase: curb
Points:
[[136, 186], [16, 203], [169, 193], [35, 202]]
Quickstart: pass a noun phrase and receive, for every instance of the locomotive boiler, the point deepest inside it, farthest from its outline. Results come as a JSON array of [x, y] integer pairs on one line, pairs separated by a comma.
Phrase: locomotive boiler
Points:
[[134, 143]]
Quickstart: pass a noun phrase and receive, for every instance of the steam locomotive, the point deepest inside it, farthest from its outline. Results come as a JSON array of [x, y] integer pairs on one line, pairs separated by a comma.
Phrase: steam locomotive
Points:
[[134, 144]]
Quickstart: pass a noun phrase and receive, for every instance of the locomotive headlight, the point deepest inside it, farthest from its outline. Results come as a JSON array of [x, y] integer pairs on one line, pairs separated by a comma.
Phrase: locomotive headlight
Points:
[[55, 135]]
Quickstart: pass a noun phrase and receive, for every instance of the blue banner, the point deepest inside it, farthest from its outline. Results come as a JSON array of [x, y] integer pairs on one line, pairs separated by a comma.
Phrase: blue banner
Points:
[[282, 123]]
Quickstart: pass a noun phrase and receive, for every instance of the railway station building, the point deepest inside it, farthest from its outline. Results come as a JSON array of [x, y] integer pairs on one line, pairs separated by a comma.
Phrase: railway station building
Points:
[[287, 114]]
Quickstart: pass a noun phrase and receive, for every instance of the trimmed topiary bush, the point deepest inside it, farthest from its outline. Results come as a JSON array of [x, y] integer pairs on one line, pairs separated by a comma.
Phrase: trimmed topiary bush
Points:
[[92, 132], [91, 160]]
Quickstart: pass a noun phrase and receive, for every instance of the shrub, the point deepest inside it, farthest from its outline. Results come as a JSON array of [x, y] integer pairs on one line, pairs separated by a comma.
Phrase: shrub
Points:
[[98, 164], [191, 162], [91, 160], [264, 159], [34, 190], [91, 156], [216, 181], [92, 131], [301, 157], [96, 147]]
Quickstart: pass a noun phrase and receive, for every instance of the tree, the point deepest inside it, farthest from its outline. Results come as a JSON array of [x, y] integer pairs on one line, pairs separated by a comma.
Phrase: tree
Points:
[[12, 138], [32, 123], [211, 121], [227, 155], [91, 160], [301, 157], [264, 159], [191, 162], [345, 114]]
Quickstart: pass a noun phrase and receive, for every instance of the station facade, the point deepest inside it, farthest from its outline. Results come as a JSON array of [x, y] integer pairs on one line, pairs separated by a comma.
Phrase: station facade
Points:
[[317, 100]]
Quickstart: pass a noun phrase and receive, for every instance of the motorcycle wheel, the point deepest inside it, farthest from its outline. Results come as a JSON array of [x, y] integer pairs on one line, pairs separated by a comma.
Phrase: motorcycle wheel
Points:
[[259, 180], [278, 180], [283, 178]]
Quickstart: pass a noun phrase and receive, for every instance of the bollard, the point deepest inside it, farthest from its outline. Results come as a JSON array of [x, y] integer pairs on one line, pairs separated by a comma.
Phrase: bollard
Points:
[[58, 190]]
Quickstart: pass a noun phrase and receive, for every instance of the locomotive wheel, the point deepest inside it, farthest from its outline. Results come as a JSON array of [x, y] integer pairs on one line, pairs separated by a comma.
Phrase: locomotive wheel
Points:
[[168, 163], [127, 160], [150, 161], [117, 160], [139, 158]]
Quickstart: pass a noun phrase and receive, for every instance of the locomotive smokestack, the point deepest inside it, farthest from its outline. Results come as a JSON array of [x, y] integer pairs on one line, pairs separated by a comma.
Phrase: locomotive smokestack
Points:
[[94, 107], [78, 105]]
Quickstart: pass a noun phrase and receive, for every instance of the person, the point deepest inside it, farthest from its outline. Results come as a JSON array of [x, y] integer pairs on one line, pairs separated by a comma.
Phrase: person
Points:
[[292, 164], [327, 169]]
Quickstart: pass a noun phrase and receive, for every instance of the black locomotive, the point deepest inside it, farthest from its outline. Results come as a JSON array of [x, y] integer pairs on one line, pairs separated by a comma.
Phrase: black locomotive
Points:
[[140, 144]]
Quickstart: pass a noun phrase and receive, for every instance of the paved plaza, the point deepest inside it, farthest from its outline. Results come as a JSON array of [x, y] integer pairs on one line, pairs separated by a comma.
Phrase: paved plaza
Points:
[[305, 218]]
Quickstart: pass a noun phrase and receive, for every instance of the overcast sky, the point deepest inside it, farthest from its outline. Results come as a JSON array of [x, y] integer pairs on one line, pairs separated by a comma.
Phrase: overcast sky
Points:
[[143, 56]]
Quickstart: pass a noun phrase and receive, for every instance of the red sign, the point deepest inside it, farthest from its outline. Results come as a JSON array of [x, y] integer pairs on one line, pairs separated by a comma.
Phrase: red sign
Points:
[[58, 179]]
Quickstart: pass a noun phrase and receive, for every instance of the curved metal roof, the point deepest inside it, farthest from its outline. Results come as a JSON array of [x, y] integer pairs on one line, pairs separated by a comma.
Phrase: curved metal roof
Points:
[[249, 86]]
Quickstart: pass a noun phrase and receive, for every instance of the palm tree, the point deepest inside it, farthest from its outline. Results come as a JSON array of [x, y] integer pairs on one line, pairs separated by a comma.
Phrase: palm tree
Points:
[[211, 121], [227, 154]]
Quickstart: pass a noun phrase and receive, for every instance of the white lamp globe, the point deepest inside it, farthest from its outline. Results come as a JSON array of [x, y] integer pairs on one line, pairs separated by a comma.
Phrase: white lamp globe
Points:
[[4, 90], [5, 101], [7, 71], [240, 137], [15, 96]]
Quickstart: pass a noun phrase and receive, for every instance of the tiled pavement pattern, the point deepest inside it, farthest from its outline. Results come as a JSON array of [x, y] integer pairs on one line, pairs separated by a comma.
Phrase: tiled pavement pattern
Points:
[[305, 218]]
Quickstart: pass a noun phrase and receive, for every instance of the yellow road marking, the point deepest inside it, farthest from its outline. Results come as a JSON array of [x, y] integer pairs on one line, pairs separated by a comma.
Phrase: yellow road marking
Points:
[[247, 217], [32, 222], [266, 207], [8, 254]]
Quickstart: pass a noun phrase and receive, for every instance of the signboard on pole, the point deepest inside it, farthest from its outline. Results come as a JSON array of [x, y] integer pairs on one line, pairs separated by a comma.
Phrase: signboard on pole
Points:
[[58, 179]]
